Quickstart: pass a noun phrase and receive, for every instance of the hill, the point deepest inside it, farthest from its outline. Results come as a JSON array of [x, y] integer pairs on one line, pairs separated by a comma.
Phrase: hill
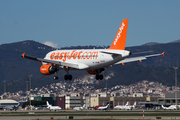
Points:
[[15, 70]]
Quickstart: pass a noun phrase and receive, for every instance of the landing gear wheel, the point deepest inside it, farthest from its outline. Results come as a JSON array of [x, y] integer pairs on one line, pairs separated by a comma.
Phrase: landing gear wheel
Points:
[[66, 77], [97, 77], [70, 77], [101, 77], [56, 77]]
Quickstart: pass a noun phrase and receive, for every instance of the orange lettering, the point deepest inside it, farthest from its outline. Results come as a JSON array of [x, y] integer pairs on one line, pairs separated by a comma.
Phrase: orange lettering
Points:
[[75, 55], [79, 54], [52, 56], [61, 55], [65, 55], [56, 56], [94, 54], [89, 55], [83, 56]]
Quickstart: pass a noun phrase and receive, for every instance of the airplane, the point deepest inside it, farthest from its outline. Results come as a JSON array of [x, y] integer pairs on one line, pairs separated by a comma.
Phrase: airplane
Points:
[[94, 61], [121, 106], [129, 107], [103, 107], [79, 108], [53, 107], [171, 107], [96, 107], [12, 107]]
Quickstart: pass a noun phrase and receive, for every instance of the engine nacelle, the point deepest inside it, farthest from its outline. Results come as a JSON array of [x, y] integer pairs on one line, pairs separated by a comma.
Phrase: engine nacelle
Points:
[[47, 69]]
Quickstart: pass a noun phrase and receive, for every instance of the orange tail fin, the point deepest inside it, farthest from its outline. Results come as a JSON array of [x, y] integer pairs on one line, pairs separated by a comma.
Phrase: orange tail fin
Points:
[[120, 38]]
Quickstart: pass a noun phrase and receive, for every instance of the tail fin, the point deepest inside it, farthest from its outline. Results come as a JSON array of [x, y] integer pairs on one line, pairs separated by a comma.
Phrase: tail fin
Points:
[[47, 103], [107, 105], [84, 105], [127, 103], [134, 103], [120, 38]]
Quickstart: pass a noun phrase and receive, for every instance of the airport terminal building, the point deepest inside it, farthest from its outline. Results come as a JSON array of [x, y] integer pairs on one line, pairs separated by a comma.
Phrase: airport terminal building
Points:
[[91, 100]]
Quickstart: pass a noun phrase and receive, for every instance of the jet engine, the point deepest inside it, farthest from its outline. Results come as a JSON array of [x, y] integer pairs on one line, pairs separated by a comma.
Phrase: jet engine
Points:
[[47, 69]]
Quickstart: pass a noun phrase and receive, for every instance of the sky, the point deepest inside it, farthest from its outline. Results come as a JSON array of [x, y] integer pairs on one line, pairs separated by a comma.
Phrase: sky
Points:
[[65, 23]]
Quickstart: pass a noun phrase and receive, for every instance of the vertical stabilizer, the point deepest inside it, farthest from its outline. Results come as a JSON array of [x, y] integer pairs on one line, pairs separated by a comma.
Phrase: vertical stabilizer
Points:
[[47, 103], [120, 38], [127, 103]]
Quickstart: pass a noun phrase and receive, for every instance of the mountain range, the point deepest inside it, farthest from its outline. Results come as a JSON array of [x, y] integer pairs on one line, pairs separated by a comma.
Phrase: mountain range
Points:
[[15, 70]]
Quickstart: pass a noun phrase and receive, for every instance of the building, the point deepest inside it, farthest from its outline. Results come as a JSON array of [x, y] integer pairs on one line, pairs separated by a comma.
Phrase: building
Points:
[[119, 100], [169, 99], [74, 100]]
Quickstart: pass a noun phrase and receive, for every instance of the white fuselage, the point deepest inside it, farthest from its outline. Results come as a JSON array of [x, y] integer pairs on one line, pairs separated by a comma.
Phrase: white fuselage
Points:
[[78, 108], [125, 107], [89, 58], [54, 107], [172, 107]]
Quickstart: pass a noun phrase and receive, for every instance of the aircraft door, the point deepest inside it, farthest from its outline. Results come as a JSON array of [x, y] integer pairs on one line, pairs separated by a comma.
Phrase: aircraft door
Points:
[[102, 58]]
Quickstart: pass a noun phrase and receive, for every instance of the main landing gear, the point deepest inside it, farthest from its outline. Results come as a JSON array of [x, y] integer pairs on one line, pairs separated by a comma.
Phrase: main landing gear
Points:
[[99, 76], [68, 77]]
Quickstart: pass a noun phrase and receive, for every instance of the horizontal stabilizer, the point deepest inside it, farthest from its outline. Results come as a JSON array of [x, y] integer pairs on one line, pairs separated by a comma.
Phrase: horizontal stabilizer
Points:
[[135, 59]]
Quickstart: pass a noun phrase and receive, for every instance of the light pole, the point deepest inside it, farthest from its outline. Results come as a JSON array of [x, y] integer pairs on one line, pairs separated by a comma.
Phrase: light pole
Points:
[[30, 89], [175, 68], [106, 82]]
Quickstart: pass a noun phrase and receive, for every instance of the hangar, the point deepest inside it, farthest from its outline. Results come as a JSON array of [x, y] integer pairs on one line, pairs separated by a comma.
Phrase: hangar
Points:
[[7, 102]]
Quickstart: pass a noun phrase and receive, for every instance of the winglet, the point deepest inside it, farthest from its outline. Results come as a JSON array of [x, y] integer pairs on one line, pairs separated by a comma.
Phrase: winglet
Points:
[[23, 55], [163, 54], [120, 38]]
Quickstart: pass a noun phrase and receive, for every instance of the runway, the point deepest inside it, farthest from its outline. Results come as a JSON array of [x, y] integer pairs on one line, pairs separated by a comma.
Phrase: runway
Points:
[[110, 114]]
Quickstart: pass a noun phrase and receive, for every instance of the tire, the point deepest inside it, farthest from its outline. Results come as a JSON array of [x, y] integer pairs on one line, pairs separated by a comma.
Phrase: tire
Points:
[[70, 77], [97, 77], [66, 77]]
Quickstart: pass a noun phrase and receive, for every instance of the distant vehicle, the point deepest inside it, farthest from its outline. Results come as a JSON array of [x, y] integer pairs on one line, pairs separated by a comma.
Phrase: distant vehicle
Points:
[[79, 108], [103, 107], [96, 107], [50, 107], [171, 107]]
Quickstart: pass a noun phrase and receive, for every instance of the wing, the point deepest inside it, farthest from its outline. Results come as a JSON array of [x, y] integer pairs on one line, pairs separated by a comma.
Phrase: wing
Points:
[[139, 59], [68, 64]]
